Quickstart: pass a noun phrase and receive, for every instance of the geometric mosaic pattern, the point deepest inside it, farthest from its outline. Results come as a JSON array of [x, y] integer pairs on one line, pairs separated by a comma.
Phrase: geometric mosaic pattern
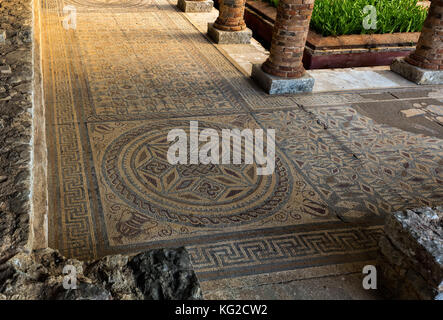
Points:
[[411, 165], [146, 198], [304, 246], [358, 164], [135, 69]]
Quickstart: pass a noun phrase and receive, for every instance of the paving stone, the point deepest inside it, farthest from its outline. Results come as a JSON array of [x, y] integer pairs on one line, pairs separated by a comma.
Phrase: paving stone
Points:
[[412, 112], [378, 96], [419, 105], [195, 6], [339, 287], [437, 109], [408, 94], [394, 114]]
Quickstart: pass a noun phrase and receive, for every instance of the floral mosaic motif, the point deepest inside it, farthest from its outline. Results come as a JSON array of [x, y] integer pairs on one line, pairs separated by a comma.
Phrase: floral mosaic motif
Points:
[[360, 166], [409, 164]]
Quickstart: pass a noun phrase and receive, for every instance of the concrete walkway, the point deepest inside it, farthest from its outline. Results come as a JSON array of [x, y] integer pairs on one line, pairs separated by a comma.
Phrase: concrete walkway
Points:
[[133, 70]]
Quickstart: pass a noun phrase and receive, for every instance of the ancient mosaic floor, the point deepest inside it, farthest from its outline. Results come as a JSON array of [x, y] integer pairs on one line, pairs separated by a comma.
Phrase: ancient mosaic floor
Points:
[[133, 70]]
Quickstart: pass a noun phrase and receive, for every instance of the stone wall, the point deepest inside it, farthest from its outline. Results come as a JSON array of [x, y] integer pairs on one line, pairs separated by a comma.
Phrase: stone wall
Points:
[[411, 255], [26, 273]]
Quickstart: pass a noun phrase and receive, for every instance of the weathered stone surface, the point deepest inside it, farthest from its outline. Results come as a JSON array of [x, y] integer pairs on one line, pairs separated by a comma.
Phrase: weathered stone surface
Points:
[[416, 74], [166, 274], [84, 291], [2, 36], [277, 85], [195, 6], [436, 109], [15, 125], [412, 112], [411, 254], [156, 274], [37, 275], [5, 69], [229, 37], [114, 273]]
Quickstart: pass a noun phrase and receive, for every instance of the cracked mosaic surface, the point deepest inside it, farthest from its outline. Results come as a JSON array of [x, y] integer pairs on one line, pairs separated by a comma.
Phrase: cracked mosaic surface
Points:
[[132, 71]]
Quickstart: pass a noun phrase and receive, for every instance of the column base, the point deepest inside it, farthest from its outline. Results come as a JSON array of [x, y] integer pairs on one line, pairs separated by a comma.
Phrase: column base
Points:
[[277, 85], [229, 37], [416, 74], [195, 6]]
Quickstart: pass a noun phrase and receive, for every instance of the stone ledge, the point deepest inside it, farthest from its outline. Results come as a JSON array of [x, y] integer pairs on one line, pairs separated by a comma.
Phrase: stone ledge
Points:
[[411, 254], [229, 37], [416, 74], [195, 6], [276, 85]]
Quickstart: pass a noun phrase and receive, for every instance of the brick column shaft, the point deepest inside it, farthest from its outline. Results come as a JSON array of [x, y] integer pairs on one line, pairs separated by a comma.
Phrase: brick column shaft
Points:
[[230, 17], [429, 51], [288, 38]]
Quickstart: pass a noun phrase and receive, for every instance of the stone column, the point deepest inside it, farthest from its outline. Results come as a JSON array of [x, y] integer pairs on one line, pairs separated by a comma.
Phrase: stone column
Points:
[[283, 71], [230, 26], [425, 64], [195, 5]]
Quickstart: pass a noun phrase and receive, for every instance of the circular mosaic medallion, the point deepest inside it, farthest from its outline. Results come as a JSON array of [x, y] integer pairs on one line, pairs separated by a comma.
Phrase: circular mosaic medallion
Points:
[[136, 168]]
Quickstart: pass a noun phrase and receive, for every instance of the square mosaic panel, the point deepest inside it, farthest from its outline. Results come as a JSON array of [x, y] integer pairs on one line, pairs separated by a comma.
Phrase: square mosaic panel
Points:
[[146, 200]]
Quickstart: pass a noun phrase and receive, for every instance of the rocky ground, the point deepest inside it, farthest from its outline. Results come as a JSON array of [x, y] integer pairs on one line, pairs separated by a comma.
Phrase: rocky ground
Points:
[[154, 275], [26, 274], [15, 123]]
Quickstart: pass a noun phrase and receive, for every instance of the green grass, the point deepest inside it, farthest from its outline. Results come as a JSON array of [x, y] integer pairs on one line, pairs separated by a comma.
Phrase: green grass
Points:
[[341, 17]]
